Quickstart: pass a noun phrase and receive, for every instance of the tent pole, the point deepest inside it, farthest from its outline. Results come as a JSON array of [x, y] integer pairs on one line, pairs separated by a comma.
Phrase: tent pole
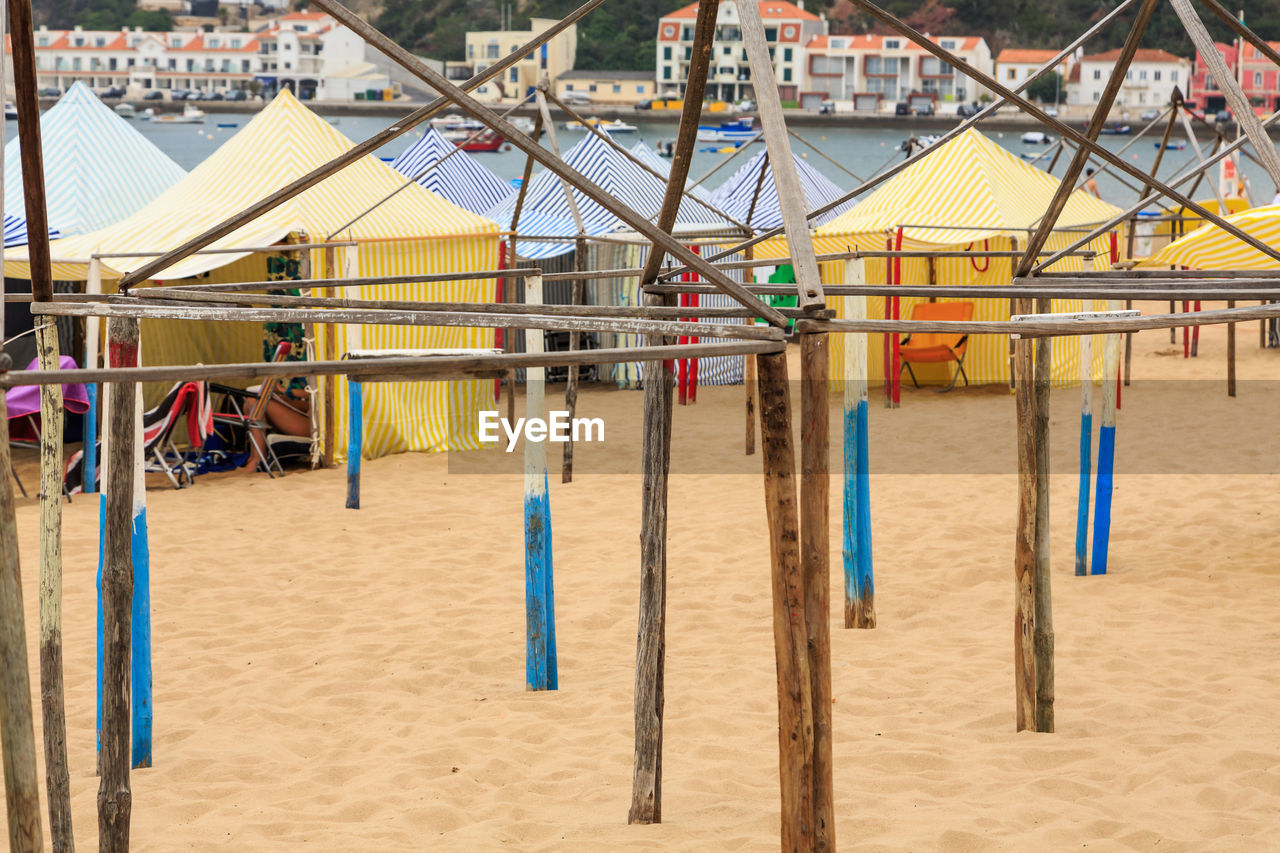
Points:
[[859, 584], [515, 229], [1024, 664], [749, 382], [541, 671], [575, 343], [1043, 602]]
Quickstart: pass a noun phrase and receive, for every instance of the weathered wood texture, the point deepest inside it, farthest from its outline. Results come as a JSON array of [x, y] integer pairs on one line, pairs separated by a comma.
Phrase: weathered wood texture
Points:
[[329, 384], [1024, 560], [790, 637], [17, 729], [579, 299], [815, 556], [52, 693], [1043, 602], [115, 799]]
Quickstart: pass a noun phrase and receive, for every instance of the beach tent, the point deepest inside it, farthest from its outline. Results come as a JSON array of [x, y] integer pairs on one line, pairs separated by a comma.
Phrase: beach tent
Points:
[[460, 179], [738, 195], [651, 158], [1210, 248], [15, 230], [98, 168], [415, 232], [971, 194], [546, 210]]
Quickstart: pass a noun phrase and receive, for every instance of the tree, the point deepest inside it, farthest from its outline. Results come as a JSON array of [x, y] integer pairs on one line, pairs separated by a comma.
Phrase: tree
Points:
[[1049, 89]]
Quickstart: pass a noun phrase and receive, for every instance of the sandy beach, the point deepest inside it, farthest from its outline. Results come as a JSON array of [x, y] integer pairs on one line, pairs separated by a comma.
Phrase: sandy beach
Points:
[[328, 679]]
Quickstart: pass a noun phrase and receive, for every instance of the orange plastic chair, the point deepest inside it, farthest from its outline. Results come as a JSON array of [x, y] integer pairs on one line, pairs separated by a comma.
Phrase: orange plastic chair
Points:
[[933, 347]]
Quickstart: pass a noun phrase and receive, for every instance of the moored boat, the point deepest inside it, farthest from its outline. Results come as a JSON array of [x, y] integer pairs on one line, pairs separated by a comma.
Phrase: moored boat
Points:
[[736, 131], [189, 115], [615, 126], [125, 110]]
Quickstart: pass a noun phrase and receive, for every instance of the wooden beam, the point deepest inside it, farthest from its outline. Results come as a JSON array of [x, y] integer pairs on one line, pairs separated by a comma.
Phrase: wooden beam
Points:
[[1043, 602], [1024, 556], [790, 637], [578, 298], [786, 179]]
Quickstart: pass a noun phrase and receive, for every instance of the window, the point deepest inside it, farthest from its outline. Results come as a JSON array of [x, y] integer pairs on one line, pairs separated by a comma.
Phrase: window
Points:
[[100, 42], [932, 67], [1142, 75], [568, 87], [1142, 97], [244, 66], [724, 70], [617, 89], [786, 54], [786, 75], [1013, 74], [471, 51], [666, 72], [1097, 96], [1155, 75], [75, 64], [1257, 79], [726, 50], [43, 41], [1097, 74], [213, 43], [1128, 75], [236, 44], [591, 88], [191, 64], [640, 89], [491, 51], [892, 44], [688, 54], [771, 34], [666, 53], [1173, 76], [111, 64], [686, 34], [514, 76], [947, 44], [1208, 81]]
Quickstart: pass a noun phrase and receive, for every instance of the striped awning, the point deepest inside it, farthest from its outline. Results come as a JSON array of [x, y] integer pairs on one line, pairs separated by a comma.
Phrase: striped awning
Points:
[[460, 179], [15, 231], [1210, 248], [98, 168], [280, 144], [735, 195], [968, 190], [546, 210]]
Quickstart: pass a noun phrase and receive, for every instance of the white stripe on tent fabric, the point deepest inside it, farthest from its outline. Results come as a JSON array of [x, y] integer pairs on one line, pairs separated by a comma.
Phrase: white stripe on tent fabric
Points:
[[98, 168], [1210, 248], [735, 195], [546, 210], [460, 179], [15, 231]]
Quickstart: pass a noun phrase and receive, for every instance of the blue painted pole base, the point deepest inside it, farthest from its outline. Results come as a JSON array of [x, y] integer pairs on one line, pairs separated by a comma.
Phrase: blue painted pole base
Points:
[[355, 441], [1082, 508], [541, 670], [1102, 502]]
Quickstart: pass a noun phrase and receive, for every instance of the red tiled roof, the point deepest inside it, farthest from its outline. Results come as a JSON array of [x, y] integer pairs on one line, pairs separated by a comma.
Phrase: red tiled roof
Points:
[[768, 9], [1143, 55], [1010, 54], [871, 41]]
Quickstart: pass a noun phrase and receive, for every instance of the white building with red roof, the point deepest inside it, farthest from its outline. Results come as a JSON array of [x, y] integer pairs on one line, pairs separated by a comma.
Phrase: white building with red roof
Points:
[[1014, 66], [874, 72], [787, 28], [1149, 81]]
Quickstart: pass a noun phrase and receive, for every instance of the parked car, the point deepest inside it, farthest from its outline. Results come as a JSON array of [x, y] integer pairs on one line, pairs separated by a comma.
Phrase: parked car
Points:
[[113, 92], [967, 110], [745, 105], [575, 97], [180, 94], [902, 108], [645, 104], [50, 92], [925, 108], [1051, 111], [1223, 117], [237, 95], [1150, 115], [154, 95]]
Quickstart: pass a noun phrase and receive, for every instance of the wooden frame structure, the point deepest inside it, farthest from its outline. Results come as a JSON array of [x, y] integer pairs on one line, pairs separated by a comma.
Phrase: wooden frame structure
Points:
[[796, 507]]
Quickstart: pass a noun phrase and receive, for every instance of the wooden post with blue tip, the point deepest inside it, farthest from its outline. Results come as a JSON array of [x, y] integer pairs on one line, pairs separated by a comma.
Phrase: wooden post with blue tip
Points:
[[539, 592], [355, 440], [859, 583], [1106, 453]]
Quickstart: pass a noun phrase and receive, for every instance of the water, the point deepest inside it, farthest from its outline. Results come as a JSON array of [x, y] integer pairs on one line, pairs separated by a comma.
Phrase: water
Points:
[[863, 151]]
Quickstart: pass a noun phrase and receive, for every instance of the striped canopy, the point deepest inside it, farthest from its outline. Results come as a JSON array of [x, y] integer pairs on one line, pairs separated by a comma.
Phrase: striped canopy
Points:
[[98, 169], [1210, 248], [735, 195], [280, 144], [546, 210], [968, 190], [15, 231], [648, 156], [460, 179]]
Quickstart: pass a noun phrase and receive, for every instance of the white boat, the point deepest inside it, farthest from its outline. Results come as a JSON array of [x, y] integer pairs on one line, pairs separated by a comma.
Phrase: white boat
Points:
[[1035, 137], [10, 112], [190, 115], [524, 124], [736, 131], [615, 126], [456, 122], [125, 110], [147, 115]]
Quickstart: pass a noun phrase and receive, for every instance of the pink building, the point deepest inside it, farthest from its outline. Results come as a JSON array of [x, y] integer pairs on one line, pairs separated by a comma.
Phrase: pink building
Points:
[[1258, 76]]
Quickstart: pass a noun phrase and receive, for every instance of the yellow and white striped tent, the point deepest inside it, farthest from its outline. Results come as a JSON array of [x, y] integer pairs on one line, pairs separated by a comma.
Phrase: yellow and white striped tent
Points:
[[971, 194], [415, 232], [1210, 248]]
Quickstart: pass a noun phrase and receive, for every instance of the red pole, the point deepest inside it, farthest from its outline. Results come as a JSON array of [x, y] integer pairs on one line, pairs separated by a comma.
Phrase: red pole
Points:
[[500, 296], [888, 314], [897, 304], [694, 300]]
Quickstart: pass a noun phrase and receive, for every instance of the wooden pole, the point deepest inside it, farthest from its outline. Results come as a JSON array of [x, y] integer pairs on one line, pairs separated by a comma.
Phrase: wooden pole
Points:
[[795, 688], [1231, 354], [650, 695], [115, 799], [515, 232], [1043, 600], [749, 374], [541, 671], [1106, 456], [17, 730], [859, 583], [1024, 561], [355, 441], [815, 556], [571, 385], [92, 327], [329, 386]]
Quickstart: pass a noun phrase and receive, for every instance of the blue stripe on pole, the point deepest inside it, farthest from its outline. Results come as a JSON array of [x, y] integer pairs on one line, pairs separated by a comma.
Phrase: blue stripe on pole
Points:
[[1082, 509], [140, 664], [460, 179], [865, 580], [90, 477], [355, 441], [540, 613], [102, 555], [850, 539], [1102, 502]]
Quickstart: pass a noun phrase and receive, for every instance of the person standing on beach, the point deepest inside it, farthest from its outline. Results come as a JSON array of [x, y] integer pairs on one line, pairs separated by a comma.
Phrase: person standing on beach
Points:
[[1091, 184]]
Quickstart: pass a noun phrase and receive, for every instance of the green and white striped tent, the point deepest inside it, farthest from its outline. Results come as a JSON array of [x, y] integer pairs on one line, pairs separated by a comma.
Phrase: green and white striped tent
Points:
[[98, 169]]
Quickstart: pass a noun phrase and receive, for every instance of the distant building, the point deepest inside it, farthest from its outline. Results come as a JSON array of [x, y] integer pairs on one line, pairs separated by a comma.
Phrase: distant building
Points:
[[607, 87], [1149, 81], [1257, 76], [300, 50], [787, 29], [1014, 66], [875, 71], [487, 47]]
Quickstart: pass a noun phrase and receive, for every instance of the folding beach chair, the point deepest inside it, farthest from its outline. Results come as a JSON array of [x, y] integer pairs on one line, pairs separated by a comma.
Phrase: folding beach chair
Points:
[[249, 411], [936, 348]]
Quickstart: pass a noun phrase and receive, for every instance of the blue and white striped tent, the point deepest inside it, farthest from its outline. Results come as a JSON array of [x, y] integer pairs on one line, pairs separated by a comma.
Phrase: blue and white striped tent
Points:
[[546, 210], [460, 179], [15, 231], [647, 155], [98, 169], [734, 195]]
